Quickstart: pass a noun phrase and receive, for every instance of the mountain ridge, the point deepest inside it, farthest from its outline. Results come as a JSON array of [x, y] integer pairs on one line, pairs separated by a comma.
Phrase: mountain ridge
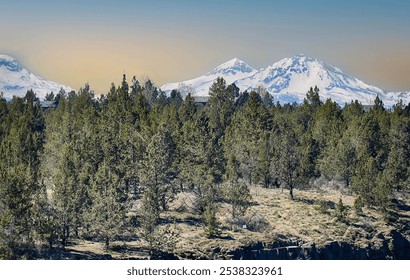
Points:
[[288, 80], [16, 80]]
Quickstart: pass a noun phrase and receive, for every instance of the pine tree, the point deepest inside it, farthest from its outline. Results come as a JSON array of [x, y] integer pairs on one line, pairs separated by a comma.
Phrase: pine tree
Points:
[[238, 196], [340, 160], [149, 219], [341, 211], [244, 138], [187, 109], [221, 104], [211, 224], [157, 174], [175, 99], [20, 148], [220, 108], [157, 167], [135, 87], [70, 159], [198, 170], [289, 169], [44, 217], [107, 214], [398, 162], [312, 98], [150, 92], [364, 182]]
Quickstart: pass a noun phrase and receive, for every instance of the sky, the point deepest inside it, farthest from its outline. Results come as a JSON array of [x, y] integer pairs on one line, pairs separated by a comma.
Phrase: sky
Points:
[[79, 41]]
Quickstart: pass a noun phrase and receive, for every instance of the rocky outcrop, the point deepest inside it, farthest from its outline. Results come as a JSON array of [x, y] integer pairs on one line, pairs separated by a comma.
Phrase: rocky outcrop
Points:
[[395, 246]]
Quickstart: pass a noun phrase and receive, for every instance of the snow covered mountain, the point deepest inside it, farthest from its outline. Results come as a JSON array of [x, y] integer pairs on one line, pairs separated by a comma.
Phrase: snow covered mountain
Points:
[[15, 80], [289, 79], [232, 71]]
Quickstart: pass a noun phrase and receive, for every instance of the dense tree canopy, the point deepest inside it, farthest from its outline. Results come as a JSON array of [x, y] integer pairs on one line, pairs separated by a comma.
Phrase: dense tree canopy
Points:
[[75, 171]]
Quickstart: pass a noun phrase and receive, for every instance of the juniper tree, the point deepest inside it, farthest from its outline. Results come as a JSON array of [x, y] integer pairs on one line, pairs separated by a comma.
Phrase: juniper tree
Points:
[[237, 194], [157, 167], [44, 217], [246, 136], [107, 214], [70, 158], [398, 162], [157, 173], [187, 109], [289, 167], [365, 180], [20, 147], [312, 98], [211, 223], [198, 170]]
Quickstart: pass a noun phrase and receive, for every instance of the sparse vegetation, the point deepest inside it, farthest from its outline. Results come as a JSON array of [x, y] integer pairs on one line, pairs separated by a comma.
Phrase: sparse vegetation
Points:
[[341, 211], [358, 205]]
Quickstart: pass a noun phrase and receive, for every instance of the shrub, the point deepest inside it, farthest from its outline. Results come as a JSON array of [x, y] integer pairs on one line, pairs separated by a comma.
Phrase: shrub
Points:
[[341, 211], [358, 205], [211, 224], [322, 206], [238, 196]]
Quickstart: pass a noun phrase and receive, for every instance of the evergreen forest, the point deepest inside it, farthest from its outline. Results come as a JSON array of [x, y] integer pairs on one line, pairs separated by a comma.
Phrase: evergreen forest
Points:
[[106, 168]]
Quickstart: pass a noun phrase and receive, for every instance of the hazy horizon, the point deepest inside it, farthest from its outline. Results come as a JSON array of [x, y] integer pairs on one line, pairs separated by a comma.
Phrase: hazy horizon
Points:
[[169, 41]]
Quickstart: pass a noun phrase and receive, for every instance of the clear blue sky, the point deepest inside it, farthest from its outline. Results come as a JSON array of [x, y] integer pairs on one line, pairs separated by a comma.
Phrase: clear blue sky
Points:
[[73, 42]]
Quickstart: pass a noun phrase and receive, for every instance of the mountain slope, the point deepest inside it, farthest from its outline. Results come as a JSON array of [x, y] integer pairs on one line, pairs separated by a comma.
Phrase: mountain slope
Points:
[[233, 71], [15, 80], [289, 79]]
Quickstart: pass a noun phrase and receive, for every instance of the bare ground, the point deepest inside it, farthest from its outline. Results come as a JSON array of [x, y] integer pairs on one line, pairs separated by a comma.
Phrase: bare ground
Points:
[[308, 219]]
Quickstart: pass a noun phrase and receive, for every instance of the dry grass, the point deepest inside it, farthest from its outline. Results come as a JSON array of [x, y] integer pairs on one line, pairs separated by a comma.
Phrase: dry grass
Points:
[[310, 218]]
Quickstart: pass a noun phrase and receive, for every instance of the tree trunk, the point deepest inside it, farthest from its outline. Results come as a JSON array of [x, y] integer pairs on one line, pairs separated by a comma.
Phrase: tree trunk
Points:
[[64, 236], [107, 243], [291, 192]]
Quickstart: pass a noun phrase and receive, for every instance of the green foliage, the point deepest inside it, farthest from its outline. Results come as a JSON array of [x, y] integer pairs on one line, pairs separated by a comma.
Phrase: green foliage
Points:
[[157, 167], [149, 218], [382, 193], [238, 196], [312, 98], [21, 142], [198, 168], [187, 109], [363, 183], [341, 211], [245, 141], [289, 160], [211, 224], [358, 205], [398, 162], [169, 236], [322, 206], [210, 208], [72, 171], [44, 218], [106, 217]]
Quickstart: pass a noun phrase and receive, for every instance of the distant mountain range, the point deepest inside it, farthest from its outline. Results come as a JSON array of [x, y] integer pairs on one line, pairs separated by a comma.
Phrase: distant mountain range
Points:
[[15, 80], [289, 79]]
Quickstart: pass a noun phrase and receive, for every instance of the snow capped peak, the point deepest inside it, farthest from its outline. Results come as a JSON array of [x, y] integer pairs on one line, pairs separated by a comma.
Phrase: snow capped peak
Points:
[[232, 71], [289, 79], [5, 57], [9, 62], [232, 67], [234, 62], [15, 80], [300, 61]]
